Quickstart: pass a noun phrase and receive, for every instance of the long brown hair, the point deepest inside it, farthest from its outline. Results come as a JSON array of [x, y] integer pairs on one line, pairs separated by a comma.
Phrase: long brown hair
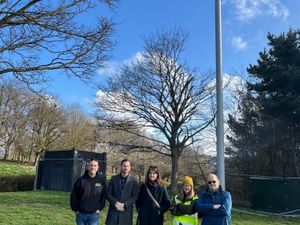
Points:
[[158, 180], [189, 195]]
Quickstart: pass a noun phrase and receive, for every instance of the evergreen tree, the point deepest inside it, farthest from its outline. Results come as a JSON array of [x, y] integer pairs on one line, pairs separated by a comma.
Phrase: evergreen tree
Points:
[[271, 108]]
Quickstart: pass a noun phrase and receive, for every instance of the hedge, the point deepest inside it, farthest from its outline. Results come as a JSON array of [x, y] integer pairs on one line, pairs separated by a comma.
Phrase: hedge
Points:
[[16, 183]]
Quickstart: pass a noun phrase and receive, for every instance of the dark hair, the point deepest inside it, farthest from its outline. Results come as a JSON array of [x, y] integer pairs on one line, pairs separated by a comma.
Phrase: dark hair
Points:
[[87, 162], [158, 180], [92, 159], [124, 160]]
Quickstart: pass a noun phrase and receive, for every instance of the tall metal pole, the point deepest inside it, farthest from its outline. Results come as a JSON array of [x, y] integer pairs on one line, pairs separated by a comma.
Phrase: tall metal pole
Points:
[[219, 90]]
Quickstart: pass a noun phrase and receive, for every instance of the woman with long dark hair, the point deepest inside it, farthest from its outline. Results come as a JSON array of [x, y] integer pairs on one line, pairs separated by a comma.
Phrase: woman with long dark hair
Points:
[[153, 200]]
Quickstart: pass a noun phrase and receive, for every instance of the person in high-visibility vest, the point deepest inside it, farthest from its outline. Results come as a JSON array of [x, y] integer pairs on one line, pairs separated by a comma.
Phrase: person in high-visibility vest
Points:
[[183, 204]]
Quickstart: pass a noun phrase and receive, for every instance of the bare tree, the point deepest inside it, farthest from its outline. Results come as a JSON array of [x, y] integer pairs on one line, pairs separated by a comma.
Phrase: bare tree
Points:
[[158, 94], [38, 36], [194, 163], [30, 124], [13, 109], [112, 142], [21, 149], [78, 130], [44, 125]]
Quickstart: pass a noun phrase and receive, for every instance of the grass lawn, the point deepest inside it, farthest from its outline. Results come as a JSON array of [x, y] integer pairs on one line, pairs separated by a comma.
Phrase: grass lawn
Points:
[[12, 168], [52, 208]]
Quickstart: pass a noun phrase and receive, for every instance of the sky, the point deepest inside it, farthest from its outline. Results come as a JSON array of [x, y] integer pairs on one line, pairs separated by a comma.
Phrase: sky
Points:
[[245, 25]]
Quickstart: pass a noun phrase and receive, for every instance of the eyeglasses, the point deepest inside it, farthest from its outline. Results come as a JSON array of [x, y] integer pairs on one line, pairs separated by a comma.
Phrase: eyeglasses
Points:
[[213, 181]]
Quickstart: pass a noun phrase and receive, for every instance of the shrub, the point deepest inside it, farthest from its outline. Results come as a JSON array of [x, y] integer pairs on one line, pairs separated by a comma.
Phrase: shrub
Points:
[[16, 183]]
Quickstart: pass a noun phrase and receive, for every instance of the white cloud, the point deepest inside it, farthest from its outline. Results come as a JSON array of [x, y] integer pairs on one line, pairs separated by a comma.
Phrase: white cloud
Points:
[[111, 68], [112, 98], [120, 114], [246, 10], [232, 84], [238, 43], [135, 58], [51, 101]]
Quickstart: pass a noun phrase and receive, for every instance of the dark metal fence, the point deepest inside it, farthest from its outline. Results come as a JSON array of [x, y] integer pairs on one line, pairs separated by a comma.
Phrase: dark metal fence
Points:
[[58, 170]]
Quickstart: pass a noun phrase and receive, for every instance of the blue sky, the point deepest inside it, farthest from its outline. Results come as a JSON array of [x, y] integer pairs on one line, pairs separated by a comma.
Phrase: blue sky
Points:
[[245, 24]]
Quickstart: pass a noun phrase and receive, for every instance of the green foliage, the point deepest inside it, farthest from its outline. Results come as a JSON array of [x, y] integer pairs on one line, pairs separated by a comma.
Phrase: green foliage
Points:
[[265, 136], [278, 77], [52, 208]]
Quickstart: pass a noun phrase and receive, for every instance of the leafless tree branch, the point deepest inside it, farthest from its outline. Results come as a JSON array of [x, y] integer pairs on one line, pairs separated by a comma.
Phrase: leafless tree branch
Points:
[[36, 36]]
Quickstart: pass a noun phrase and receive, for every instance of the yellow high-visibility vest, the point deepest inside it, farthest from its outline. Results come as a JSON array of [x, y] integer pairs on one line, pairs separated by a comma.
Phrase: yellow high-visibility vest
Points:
[[185, 219]]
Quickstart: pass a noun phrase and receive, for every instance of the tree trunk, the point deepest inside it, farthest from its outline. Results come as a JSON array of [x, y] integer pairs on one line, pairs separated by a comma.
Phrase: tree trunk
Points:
[[29, 155], [36, 159], [174, 173], [6, 153]]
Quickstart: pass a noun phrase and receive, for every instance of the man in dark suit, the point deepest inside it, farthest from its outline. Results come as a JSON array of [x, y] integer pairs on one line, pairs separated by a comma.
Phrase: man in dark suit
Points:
[[122, 193]]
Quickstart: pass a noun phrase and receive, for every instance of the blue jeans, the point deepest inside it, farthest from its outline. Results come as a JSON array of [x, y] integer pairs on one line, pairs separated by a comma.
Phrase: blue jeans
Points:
[[87, 218]]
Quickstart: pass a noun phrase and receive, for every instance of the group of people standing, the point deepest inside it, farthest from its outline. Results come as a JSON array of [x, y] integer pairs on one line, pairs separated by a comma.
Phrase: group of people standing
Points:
[[151, 199]]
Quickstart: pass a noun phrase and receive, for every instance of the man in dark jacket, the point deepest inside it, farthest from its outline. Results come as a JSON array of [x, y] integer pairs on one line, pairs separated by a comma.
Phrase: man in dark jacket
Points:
[[88, 195], [214, 204], [122, 193]]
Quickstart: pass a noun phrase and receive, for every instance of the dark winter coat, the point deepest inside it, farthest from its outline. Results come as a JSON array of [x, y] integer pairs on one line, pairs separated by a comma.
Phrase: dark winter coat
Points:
[[127, 196], [220, 216], [148, 212], [88, 194]]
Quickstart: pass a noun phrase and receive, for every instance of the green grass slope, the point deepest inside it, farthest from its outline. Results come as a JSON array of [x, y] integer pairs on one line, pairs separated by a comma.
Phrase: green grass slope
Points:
[[12, 168]]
